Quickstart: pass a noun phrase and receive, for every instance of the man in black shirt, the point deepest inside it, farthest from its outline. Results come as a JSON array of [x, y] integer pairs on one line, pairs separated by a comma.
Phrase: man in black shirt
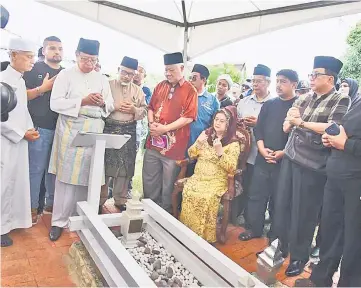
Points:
[[224, 84], [271, 141], [39, 82]]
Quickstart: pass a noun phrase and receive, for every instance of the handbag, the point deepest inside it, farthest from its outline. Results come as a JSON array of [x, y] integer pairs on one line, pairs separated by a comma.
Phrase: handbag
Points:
[[304, 147]]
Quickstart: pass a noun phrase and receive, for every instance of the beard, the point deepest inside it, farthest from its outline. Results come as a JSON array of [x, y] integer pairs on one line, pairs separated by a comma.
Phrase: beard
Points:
[[54, 60]]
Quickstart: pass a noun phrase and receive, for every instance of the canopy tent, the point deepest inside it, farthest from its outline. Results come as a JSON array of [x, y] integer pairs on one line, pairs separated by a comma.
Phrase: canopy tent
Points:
[[198, 26]]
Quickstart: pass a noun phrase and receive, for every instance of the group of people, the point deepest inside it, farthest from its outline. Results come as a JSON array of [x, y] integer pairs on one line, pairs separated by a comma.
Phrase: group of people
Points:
[[303, 167]]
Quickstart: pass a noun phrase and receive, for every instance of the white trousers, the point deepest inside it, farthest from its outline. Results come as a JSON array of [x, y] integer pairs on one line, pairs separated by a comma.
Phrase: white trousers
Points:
[[65, 199]]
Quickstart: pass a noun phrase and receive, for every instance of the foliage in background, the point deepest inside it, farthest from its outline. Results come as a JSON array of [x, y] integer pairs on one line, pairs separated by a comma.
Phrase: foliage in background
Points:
[[236, 75], [352, 58]]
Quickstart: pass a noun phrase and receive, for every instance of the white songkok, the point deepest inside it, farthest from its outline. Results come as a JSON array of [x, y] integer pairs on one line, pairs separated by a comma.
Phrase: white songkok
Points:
[[19, 44]]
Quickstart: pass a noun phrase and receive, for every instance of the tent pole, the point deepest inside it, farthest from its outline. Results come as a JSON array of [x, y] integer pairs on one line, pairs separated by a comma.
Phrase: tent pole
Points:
[[185, 51]]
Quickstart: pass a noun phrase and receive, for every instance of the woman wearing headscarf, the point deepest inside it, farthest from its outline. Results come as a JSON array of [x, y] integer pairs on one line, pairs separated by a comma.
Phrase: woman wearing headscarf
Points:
[[217, 151], [349, 87]]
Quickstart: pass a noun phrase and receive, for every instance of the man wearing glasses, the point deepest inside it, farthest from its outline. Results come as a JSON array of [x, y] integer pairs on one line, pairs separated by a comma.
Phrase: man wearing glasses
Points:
[[248, 109], [172, 108], [81, 97], [301, 186], [120, 163]]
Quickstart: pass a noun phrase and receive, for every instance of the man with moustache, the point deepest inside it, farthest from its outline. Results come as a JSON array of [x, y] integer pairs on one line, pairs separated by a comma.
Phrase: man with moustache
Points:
[[172, 108], [248, 109], [16, 132], [39, 82], [120, 163], [207, 106], [82, 98], [271, 141]]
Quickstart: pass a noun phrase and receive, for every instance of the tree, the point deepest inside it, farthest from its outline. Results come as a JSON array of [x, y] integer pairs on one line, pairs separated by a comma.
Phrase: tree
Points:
[[352, 58], [236, 75]]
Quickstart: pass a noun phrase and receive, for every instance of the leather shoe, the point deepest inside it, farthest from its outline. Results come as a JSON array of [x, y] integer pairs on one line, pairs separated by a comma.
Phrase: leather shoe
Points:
[[315, 252], [6, 241], [55, 233], [247, 235], [304, 283], [295, 268]]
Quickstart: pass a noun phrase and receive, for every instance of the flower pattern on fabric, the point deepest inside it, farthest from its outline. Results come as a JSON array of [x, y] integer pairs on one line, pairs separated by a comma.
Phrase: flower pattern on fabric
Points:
[[203, 190]]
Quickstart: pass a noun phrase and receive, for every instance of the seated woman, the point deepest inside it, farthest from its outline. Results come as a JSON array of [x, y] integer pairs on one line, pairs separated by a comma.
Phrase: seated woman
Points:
[[217, 150]]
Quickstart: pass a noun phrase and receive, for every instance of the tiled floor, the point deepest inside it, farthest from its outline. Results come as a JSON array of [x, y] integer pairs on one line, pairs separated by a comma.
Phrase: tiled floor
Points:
[[34, 260]]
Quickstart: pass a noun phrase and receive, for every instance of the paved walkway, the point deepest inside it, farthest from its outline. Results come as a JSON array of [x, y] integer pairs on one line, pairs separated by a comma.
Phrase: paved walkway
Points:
[[34, 260]]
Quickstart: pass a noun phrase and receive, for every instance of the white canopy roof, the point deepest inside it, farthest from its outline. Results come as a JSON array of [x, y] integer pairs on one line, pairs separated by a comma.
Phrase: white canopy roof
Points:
[[197, 26]]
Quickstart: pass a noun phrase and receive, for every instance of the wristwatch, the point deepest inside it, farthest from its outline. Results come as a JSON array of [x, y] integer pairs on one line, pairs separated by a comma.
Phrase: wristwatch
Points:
[[38, 90], [302, 124]]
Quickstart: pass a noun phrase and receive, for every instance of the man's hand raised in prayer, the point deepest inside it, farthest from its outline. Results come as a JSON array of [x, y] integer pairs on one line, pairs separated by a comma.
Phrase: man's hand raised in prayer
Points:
[[31, 135], [127, 107], [93, 99], [157, 129]]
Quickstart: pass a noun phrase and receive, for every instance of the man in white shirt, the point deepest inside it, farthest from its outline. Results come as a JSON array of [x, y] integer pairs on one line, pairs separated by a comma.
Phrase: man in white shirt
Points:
[[15, 134], [82, 97]]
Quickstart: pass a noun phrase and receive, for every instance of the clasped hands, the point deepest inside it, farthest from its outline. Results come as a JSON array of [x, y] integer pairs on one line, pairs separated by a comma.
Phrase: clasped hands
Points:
[[271, 157], [125, 107], [157, 129], [337, 141]]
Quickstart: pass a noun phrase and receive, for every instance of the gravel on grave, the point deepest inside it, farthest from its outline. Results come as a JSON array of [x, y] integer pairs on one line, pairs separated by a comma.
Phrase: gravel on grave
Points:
[[160, 265]]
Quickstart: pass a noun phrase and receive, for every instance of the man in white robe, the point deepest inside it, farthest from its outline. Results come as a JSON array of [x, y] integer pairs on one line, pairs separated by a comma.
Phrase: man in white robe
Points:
[[82, 97], [15, 134]]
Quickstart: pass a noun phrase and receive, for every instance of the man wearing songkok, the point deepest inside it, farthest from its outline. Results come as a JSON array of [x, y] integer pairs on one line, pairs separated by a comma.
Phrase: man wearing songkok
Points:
[[248, 109], [16, 131], [81, 97], [271, 140], [224, 85], [207, 106], [120, 163], [302, 179], [172, 108], [39, 82]]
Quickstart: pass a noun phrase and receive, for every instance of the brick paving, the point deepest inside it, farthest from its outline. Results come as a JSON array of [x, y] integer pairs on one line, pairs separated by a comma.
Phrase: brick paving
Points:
[[35, 261]]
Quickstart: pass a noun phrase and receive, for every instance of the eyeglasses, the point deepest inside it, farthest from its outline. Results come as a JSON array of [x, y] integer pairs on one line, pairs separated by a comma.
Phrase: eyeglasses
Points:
[[171, 91], [89, 59], [126, 73], [257, 81], [313, 76]]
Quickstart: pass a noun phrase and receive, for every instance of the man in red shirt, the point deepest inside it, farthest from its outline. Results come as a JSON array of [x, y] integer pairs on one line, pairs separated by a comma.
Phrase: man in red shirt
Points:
[[172, 108]]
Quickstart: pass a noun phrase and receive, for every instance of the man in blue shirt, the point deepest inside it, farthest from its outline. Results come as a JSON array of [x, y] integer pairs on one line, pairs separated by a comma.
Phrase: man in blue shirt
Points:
[[207, 106]]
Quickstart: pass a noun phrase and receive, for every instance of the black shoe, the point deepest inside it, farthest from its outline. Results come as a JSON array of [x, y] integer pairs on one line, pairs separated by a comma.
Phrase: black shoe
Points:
[[295, 268], [315, 252], [304, 283], [247, 235], [55, 233], [6, 241]]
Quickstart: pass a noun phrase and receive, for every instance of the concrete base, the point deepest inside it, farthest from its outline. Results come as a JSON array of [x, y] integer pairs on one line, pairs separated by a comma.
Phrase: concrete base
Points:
[[83, 270]]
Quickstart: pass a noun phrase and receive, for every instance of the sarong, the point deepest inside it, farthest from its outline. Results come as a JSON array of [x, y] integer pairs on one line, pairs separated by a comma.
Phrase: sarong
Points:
[[121, 162]]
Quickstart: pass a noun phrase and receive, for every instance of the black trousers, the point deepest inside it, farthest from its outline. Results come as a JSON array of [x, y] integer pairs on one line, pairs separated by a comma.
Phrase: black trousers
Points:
[[341, 234], [297, 205], [239, 204], [261, 192]]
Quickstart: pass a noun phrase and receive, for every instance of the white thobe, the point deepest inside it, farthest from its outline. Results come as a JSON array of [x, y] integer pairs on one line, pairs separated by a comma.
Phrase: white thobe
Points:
[[71, 165], [15, 182]]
